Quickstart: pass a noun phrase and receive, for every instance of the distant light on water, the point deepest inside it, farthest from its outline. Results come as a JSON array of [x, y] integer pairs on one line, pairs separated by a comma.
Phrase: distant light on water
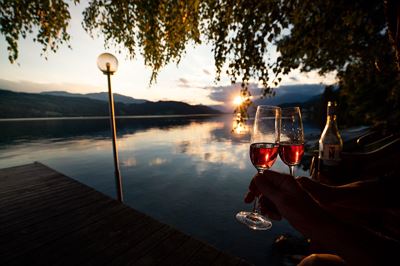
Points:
[[239, 127]]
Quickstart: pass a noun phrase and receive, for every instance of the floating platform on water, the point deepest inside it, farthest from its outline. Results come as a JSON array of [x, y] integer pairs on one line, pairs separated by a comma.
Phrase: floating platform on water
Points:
[[47, 218]]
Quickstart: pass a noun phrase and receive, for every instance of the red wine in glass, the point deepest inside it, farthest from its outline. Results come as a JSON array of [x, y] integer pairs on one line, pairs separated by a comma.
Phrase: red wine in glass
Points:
[[291, 154], [263, 155], [291, 147]]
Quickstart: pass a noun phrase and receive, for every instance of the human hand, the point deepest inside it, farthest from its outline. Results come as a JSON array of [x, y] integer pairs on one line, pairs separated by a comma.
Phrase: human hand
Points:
[[282, 195], [265, 205], [300, 202], [360, 202]]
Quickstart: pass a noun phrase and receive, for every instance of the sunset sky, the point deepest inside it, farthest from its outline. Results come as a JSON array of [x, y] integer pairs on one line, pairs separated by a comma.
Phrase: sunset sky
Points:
[[76, 71]]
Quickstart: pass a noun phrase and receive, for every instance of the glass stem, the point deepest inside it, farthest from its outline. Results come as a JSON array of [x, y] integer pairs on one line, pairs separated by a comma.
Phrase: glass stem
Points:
[[291, 169], [255, 204]]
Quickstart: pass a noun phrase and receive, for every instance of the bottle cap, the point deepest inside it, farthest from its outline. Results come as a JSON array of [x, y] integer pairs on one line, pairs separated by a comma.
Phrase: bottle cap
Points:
[[331, 110]]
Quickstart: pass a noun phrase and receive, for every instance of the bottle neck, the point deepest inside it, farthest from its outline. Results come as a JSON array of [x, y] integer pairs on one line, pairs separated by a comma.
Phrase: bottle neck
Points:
[[331, 123], [331, 119]]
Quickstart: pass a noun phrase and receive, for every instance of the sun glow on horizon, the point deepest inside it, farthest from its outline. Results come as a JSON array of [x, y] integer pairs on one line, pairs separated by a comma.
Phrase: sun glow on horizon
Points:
[[238, 100]]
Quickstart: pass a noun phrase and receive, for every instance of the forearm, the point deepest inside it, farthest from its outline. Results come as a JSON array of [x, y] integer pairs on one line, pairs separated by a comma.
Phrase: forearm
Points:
[[360, 195], [371, 195], [356, 245]]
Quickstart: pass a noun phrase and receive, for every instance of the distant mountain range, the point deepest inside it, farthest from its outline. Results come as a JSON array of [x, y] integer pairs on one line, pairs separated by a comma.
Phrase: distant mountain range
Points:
[[308, 97], [102, 96], [292, 94], [64, 104]]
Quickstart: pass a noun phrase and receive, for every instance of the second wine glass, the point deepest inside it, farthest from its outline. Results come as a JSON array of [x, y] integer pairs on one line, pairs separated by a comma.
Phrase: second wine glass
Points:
[[291, 147]]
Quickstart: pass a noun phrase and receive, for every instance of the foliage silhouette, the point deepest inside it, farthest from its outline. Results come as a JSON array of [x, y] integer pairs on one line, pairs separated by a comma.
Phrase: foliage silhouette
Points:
[[350, 38]]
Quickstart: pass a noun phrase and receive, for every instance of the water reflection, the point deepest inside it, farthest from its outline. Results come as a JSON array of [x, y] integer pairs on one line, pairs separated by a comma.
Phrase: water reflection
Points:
[[189, 172]]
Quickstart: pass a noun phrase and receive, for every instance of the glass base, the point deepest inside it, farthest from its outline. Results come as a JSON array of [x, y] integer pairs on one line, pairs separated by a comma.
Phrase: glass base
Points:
[[254, 220]]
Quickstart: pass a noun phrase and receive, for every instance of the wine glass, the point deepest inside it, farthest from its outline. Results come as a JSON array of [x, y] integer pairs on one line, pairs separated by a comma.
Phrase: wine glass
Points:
[[291, 147], [263, 153]]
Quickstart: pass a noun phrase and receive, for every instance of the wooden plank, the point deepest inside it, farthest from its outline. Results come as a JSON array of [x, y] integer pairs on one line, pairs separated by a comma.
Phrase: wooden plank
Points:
[[26, 175], [23, 175], [84, 244], [71, 209], [141, 244], [52, 194], [32, 221], [49, 210], [101, 256], [183, 253], [29, 189], [47, 218], [41, 233], [162, 250], [50, 200], [37, 192], [11, 172], [122, 243], [226, 259], [206, 255], [40, 210]]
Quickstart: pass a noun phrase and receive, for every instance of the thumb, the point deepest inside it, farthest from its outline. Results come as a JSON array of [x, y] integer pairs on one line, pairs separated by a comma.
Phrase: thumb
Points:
[[320, 192]]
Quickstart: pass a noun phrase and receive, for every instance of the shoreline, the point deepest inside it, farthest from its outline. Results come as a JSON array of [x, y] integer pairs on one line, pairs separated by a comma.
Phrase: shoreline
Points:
[[105, 117]]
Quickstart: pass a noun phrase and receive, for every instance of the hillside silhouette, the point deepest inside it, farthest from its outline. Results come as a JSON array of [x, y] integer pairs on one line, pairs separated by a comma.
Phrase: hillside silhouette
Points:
[[28, 105]]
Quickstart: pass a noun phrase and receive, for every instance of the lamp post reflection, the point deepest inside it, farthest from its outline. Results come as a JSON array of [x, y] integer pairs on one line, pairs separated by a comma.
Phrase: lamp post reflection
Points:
[[108, 64]]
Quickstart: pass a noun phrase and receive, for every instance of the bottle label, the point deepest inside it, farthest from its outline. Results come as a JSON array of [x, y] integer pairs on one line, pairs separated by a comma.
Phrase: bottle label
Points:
[[330, 154]]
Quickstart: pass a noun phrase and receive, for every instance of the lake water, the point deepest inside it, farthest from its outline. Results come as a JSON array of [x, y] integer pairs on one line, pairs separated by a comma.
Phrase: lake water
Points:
[[189, 172]]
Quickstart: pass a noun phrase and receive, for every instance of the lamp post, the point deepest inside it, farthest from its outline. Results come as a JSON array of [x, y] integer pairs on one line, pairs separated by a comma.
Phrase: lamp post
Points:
[[108, 64]]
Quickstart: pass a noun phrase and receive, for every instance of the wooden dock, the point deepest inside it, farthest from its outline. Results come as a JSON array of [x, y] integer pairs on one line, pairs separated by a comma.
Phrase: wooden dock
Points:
[[47, 218]]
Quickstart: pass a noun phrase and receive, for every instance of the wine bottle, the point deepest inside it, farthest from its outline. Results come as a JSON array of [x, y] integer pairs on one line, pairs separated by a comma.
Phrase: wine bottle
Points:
[[330, 144]]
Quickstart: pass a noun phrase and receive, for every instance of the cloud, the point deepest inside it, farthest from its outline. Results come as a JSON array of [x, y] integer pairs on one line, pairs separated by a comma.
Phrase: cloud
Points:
[[183, 83], [184, 146], [191, 83], [225, 94], [157, 161], [205, 71], [28, 86], [129, 162]]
